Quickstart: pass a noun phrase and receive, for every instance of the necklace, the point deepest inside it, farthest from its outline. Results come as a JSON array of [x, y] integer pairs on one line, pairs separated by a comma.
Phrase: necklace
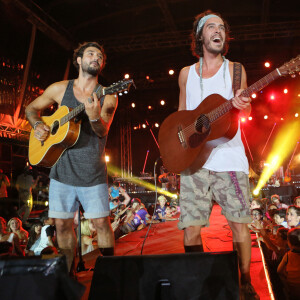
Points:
[[200, 73]]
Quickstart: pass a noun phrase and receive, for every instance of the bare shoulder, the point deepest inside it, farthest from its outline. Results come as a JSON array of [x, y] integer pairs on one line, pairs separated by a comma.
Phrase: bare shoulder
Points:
[[56, 90], [183, 75]]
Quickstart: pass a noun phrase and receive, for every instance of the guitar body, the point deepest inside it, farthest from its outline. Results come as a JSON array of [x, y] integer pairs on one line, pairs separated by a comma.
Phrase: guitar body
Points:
[[186, 138], [60, 138]]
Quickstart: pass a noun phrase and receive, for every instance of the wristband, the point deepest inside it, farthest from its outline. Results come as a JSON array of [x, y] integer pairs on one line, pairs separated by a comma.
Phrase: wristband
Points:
[[93, 121], [36, 124]]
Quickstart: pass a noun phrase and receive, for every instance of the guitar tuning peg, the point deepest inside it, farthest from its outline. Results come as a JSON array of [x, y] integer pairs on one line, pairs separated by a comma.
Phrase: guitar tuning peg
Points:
[[120, 94], [125, 92]]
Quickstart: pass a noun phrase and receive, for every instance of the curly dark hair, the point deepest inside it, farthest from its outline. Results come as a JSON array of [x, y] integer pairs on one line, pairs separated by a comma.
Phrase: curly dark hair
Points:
[[78, 52], [196, 45]]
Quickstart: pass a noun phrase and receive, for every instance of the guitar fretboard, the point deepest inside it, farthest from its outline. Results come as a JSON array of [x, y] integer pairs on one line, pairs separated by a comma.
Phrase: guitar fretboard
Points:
[[255, 87], [78, 109]]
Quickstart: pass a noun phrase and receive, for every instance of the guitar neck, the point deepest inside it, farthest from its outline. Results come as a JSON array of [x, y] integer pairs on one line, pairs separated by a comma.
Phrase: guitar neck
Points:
[[78, 109], [255, 87]]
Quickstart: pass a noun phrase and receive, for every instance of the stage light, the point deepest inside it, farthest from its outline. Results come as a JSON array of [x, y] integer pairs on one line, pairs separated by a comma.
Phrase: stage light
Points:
[[253, 96], [272, 97], [267, 64], [171, 72], [46, 203], [133, 105], [249, 118], [296, 115], [243, 120], [106, 158], [147, 77], [281, 119], [135, 128], [255, 192], [144, 125], [162, 102], [266, 117], [149, 107], [156, 125], [285, 91], [126, 76]]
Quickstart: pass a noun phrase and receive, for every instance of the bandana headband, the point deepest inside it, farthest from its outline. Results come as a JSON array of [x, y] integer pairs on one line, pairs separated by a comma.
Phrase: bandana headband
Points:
[[203, 20]]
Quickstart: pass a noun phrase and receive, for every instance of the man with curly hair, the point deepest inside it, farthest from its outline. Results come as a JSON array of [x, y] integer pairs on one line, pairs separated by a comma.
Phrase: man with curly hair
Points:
[[224, 176], [80, 173]]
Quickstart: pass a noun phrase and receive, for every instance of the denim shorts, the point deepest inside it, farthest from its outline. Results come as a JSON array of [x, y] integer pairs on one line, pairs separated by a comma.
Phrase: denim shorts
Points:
[[64, 200], [229, 189]]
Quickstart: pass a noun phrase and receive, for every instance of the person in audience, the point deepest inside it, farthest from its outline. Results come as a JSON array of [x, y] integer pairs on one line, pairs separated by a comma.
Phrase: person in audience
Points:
[[160, 212], [289, 267], [4, 184], [88, 236], [24, 184], [275, 199], [47, 233], [256, 203], [15, 225], [34, 238], [257, 217], [280, 217], [297, 201], [293, 216], [11, 238]]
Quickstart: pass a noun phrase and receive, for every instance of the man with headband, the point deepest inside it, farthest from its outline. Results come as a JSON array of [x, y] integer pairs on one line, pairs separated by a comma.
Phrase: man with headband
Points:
[[80, 173], [224, 176]]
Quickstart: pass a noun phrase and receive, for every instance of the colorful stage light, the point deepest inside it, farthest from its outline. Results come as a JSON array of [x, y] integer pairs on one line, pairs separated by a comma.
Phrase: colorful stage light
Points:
[[126, 76], [171, 72], [267, 64]]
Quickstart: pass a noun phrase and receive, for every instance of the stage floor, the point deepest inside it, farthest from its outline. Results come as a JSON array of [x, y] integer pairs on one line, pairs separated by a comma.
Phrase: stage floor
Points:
[[166, 238]]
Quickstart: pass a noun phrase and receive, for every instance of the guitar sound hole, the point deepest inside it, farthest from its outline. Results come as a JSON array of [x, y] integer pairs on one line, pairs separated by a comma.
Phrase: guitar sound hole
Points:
[[202, 124], [54, 127]]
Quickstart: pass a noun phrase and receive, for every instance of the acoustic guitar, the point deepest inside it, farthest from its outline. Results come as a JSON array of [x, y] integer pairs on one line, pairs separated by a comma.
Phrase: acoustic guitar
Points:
[[186, 138], [65, 129]]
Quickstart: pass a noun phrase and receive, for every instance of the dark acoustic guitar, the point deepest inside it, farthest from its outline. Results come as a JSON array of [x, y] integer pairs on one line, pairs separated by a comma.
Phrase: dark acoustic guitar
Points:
[[64, 129], [186, 138]]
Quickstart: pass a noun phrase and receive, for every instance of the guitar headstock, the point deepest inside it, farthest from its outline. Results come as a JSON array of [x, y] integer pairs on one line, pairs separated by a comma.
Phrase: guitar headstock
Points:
[[119, 87], [290, 67]]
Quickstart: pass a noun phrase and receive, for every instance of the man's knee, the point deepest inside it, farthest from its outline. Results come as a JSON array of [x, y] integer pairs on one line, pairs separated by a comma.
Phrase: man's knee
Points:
[[101, 223], [64, 225]]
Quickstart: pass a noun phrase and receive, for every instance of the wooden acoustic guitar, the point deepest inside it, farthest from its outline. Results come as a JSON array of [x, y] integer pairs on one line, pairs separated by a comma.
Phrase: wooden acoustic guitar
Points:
[[186, 138], [65, 129]]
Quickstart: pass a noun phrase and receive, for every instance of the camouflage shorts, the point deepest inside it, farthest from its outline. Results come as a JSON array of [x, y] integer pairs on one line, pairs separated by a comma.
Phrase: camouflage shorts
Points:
[[229, 189]]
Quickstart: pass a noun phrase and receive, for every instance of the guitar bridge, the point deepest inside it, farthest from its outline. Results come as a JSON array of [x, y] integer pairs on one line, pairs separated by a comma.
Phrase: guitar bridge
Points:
[[181, 137]]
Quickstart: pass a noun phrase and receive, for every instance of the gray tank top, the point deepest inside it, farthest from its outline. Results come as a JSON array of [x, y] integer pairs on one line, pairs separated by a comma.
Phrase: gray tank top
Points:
[[84, 163]]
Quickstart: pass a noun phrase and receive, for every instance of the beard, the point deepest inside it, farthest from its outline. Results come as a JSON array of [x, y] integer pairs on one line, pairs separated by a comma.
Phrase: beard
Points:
[[214, 50], [88, 69]]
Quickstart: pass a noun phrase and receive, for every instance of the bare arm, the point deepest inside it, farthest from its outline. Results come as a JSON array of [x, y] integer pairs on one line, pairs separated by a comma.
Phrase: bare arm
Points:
[[182, 79], [104, 115], [53, 94]]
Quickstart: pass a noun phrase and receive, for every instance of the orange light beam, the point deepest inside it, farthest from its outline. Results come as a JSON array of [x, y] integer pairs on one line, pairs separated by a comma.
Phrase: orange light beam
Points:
[[153, 135], [268, 139], [292, 155], [145, 160], [247, 144]]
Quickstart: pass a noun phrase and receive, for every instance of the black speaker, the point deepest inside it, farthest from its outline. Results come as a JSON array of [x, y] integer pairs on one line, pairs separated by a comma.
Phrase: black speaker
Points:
[[192, 276], [36, 278]]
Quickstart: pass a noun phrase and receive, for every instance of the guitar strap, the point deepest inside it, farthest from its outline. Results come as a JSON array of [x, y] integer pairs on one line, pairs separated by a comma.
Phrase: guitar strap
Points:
[[237, 77]]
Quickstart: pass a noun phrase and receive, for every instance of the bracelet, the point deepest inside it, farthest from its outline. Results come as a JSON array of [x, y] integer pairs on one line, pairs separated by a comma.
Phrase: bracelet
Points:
[[36, 124], [93, 121]]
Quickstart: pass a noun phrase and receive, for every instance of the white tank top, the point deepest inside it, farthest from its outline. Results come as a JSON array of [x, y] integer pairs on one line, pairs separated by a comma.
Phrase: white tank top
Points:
[[229, 156]]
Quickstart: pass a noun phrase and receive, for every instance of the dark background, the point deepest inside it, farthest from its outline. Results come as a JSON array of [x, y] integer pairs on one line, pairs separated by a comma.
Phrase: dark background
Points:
[[149, 37]]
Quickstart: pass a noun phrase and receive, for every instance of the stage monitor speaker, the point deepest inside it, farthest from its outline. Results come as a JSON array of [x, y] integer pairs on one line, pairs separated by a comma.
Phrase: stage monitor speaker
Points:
[[197, 276], [38, 279]]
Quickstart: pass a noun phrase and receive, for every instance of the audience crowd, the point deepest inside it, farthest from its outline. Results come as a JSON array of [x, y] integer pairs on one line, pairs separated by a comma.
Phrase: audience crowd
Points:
[[277, 227]]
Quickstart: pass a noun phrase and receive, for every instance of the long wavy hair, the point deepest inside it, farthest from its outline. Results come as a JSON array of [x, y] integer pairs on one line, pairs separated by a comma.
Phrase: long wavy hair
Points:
[[197, 45]]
